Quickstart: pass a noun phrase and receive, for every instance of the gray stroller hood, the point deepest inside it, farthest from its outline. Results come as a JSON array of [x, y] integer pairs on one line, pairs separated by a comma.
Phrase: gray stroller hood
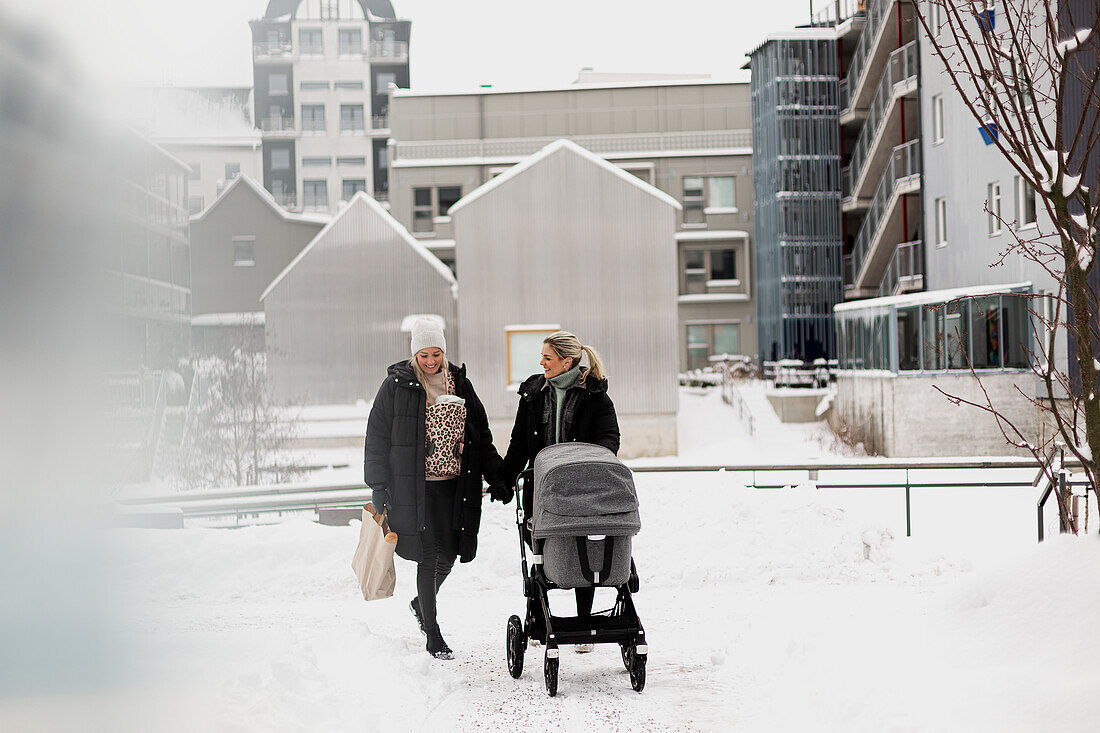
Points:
[[583, 489]]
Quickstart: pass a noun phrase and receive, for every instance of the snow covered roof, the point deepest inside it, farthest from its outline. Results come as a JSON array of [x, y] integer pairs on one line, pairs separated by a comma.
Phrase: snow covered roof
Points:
[[553, 148], [711, 234], [229, 319], [362, 198], [190, 113], [930, 296], [382, 9], [826, 33], [397, 92], [265, 195]]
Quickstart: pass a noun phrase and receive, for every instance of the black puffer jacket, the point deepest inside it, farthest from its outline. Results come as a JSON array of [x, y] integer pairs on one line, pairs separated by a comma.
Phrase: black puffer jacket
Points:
[[394, 458], [588, 416]]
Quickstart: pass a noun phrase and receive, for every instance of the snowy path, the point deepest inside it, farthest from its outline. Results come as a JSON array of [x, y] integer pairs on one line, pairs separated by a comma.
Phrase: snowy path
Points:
[[764, 611]]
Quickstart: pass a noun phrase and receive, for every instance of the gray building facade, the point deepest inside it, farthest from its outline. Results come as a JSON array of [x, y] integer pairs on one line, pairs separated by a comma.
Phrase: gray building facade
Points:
[[690, 139], [240, 244], [341, 311], [566, 240]]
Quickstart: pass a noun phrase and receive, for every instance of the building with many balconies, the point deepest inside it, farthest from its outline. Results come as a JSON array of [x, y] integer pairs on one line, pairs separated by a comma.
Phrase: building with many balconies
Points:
[[322, 73]]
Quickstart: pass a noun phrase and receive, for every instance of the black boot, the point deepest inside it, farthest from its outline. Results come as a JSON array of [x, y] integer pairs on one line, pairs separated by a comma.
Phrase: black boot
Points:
[[436, 646], [414, 606]]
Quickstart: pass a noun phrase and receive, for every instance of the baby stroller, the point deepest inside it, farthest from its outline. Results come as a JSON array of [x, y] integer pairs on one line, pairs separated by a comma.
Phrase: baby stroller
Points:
[[577, 517]]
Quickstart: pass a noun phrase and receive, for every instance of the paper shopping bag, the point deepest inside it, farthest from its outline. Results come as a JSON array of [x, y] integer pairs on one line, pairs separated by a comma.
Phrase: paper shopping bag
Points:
[[373, 558]]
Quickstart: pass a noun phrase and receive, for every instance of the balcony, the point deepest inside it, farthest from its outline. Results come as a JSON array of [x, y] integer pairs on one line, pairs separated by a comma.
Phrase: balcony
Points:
[[869, 155], [148, 298], [846, 16], [905, 272], [870, 54], [882, 226], [273, 51], [380, 122], [286, 200], [278, 125], [394, 52]]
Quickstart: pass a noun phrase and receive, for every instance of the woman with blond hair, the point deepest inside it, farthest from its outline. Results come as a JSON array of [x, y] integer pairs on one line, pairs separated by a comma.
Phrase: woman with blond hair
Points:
[[428, 446], [567, 402]]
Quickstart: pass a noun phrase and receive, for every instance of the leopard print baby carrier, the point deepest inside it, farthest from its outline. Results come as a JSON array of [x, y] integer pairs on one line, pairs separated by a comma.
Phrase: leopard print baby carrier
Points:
[[445, 427]]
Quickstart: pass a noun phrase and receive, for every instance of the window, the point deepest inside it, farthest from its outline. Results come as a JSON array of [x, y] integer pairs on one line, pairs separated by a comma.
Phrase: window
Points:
[[196, 171], [448, 196], [311, 41], [523, 346], [422, 210], [941, 221], [707, 266], [932, 337], [350, 42], [908, 339], [276, 84], [280, 159], [351, 118], [430, 203], [957, 334], [705, 340], [314, 86], [935, 17], [232, 170], [353, 160], [244, 251], [315, 194], [382, 81], [1014, 319], [1025, 204], [316, 162], [693, 200], [720, 193], [985, 329], [937, 118], [349, 86], [993, 202], [353, 186], [313, 118]]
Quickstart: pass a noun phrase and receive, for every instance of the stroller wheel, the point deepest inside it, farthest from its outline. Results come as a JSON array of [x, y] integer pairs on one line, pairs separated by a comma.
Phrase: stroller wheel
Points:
[[550, 671], [637, 671], [515, 645], [627, 650]]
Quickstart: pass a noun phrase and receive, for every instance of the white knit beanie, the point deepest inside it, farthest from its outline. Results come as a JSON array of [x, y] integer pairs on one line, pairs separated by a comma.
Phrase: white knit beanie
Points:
[[427, 333]]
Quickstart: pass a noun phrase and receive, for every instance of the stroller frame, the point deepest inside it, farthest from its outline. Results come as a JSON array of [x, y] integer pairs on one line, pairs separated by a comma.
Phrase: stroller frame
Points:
[[617, 625]]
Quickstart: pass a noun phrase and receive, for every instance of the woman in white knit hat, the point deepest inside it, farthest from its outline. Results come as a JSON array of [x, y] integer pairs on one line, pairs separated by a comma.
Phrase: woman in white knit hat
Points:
[[428, 446]]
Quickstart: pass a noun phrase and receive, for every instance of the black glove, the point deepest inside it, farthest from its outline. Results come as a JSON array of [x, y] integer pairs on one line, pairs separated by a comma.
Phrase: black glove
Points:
[[501, 493], [381, 499]]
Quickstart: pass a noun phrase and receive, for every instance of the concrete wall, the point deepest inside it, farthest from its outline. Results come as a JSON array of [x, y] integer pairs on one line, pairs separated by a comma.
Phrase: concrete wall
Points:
[[211, 159], [904, 416]]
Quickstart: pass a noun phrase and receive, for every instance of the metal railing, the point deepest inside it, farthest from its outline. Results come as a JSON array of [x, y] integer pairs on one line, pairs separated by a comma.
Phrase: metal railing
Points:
[[278, 124], [837, 11], [906, 265], [136, 294], [876, 10], [1056, 481], [286, 200], [902, 68], [904, 163], [379, 122], [733, 397], [389, 51], [247, 505], [621, 143], [275, 49]]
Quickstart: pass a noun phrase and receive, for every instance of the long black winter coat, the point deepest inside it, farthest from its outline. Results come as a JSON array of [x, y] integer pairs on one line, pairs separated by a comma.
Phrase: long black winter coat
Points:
[[588, 416], [394, 459]]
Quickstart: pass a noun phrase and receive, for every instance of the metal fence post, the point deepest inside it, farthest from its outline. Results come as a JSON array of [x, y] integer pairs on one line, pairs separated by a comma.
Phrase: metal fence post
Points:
[[908, 518]]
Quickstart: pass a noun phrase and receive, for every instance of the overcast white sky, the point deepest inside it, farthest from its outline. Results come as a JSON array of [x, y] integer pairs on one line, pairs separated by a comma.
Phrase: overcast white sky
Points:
[[455, 45]]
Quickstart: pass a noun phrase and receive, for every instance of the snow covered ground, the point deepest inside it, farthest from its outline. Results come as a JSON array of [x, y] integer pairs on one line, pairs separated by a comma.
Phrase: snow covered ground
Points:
[[765, 610]]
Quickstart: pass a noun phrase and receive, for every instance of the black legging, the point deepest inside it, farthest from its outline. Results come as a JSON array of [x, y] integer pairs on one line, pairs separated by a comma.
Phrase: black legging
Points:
[[439, 545]]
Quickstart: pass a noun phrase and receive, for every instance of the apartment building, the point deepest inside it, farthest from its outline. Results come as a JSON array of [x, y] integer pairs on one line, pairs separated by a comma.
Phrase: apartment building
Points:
[[322, 71], [688, 138]]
